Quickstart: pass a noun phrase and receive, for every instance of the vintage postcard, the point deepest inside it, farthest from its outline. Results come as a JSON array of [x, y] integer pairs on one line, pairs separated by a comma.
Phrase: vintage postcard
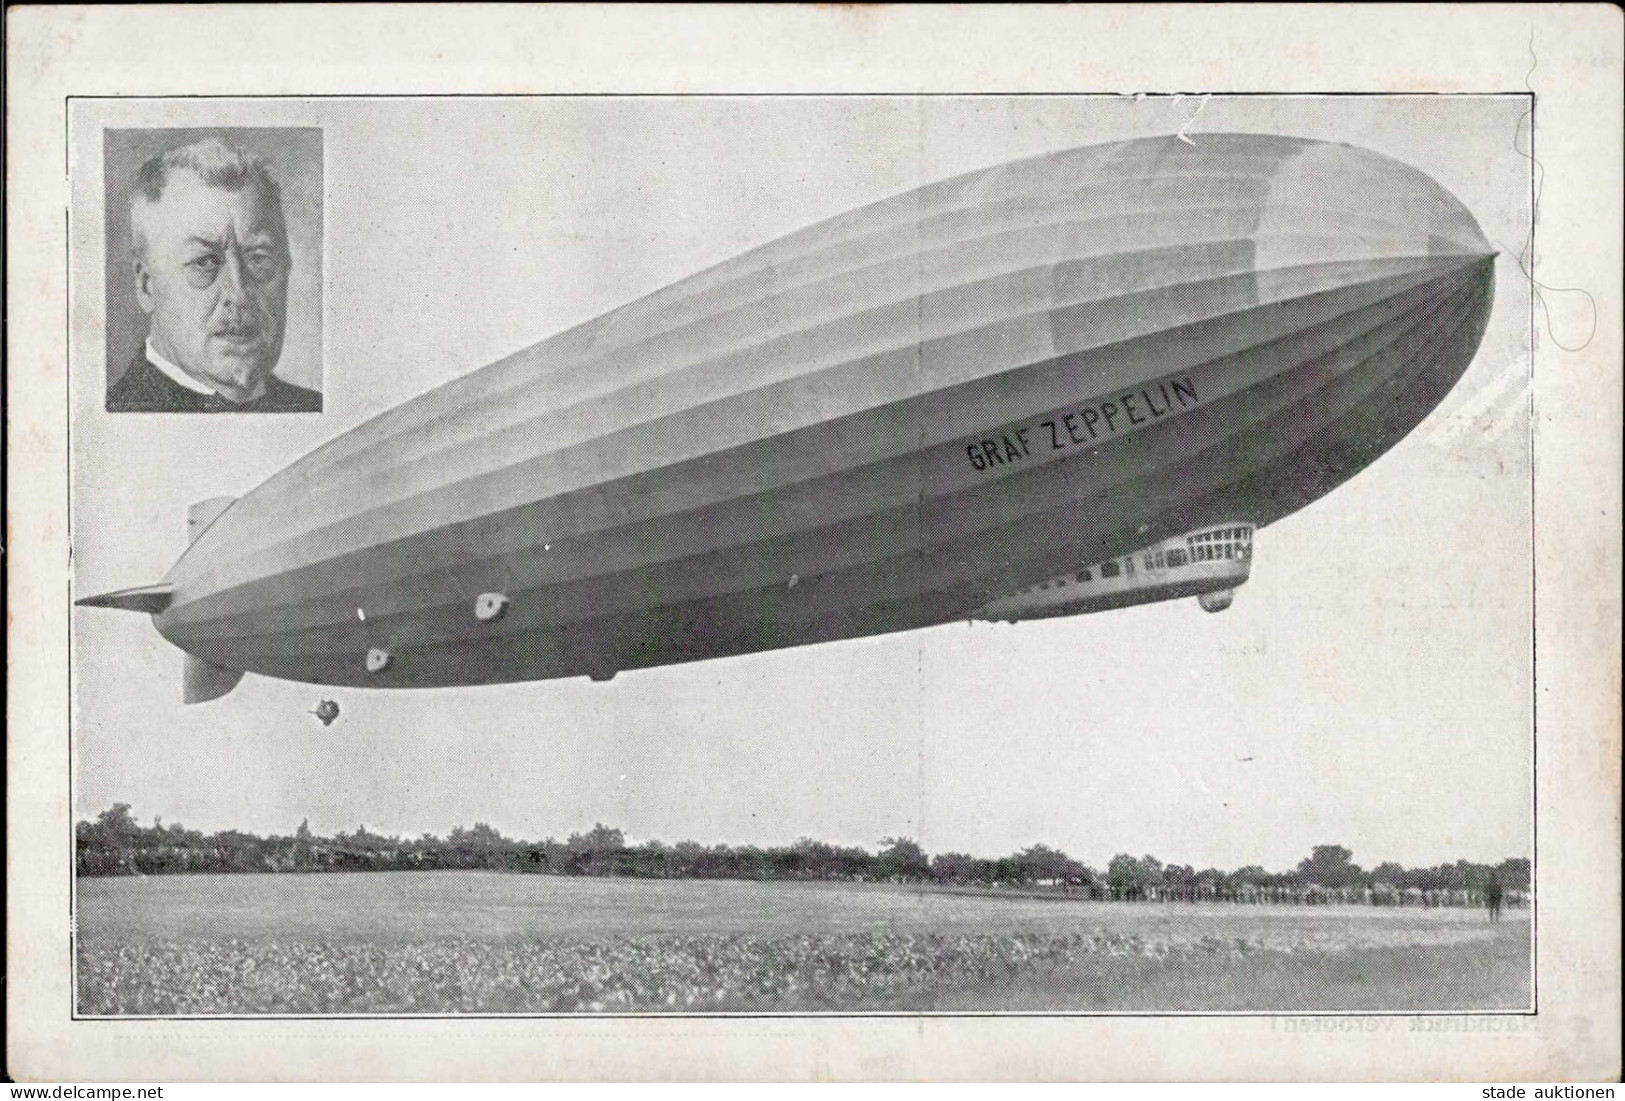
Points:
[[940, 572]]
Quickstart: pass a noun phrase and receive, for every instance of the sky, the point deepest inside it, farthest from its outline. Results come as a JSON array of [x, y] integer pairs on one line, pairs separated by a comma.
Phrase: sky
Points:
[[1369, 687]]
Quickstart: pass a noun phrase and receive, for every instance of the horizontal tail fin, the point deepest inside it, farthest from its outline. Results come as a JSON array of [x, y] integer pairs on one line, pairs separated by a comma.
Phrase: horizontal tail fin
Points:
[[152, 599], [203, 680]]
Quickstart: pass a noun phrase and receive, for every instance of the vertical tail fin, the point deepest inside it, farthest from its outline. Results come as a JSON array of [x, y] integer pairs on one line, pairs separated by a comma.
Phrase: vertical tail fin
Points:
[[203, 513], [202, 681], [205, 681]]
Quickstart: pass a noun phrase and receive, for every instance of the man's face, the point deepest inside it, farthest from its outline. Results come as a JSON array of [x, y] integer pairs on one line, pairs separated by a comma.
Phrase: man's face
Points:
[[213, 277]]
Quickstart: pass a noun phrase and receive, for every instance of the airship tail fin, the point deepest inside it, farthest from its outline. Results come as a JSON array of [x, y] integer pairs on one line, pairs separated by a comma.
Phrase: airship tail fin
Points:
[[155, 599], [204, 513], [152, 599], [204, 680]]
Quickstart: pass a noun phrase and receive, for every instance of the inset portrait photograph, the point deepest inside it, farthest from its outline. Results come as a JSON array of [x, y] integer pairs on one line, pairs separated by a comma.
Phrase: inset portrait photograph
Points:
[[214, 270]]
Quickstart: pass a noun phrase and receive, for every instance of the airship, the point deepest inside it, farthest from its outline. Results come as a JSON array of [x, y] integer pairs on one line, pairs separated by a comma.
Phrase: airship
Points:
[[1070, 383]]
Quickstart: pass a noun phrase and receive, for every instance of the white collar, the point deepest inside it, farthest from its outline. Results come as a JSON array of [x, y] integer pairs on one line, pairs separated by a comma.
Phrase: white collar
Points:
[[181, 378]]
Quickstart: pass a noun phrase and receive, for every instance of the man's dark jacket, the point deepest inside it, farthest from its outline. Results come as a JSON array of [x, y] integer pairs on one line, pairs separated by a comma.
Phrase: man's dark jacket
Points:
[[145, 389]]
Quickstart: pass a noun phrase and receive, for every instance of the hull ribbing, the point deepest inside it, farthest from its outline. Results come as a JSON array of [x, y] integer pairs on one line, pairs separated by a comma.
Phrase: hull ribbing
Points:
[[877, 424]]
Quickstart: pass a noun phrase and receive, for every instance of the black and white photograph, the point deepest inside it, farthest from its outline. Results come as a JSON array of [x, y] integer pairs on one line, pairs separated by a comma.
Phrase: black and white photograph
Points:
[[214, 281], [844, 555], [802, 543]]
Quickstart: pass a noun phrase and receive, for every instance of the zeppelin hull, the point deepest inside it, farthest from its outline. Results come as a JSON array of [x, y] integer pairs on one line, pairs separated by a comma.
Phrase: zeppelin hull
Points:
[[877, 424]]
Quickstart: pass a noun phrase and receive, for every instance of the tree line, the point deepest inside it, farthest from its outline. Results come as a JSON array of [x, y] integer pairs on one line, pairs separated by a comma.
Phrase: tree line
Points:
[[116, 844]]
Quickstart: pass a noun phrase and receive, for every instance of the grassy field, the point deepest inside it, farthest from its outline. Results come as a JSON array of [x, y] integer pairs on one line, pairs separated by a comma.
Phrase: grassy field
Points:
[[453, 942]]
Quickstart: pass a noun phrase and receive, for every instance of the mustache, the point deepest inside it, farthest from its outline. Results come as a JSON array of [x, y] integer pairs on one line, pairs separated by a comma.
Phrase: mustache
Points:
[[238, 325]]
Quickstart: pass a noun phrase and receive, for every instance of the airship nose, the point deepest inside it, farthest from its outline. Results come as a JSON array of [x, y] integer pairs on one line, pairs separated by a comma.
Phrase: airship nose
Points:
[[1330, 203], [1370, 217]]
